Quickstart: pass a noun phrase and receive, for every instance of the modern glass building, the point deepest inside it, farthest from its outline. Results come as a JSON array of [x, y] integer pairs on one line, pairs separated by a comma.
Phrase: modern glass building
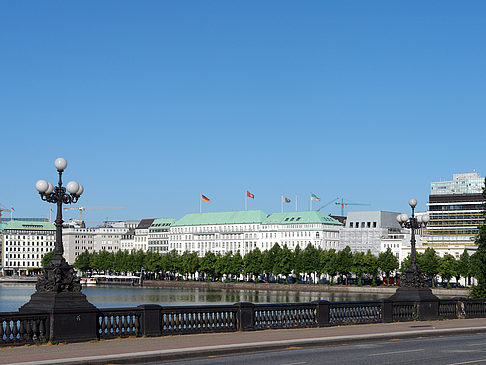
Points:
[[455, 209]]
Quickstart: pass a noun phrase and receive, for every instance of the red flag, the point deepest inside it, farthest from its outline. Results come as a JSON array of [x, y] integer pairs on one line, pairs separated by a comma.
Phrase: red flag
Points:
[[12, 209], [250, 195]]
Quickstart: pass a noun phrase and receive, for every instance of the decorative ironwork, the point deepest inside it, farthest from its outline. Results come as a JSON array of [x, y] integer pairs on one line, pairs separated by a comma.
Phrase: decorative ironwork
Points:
[[59, 276], [185, 320], [123, 322], [292, 315], [413, 277], [22, 329], [355, 313]]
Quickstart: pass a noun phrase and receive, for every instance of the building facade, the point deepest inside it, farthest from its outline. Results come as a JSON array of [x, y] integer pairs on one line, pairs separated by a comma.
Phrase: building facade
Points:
[[23, 245], [365, 231], [158, 237], [243, 231], [455, 210]]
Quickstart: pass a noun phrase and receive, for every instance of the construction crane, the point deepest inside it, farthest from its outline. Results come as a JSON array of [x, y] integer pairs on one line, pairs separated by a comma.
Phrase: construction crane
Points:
[[81, 209], [342, 203], [3, 210], [325, 205]]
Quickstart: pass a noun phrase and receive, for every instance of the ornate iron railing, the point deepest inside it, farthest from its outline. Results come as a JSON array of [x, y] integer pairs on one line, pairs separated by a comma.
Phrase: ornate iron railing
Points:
[[287, 315], [153, 320], [448, 309], [184, 320], [22, 329], [119, 322], [475, 308], [355, 312]]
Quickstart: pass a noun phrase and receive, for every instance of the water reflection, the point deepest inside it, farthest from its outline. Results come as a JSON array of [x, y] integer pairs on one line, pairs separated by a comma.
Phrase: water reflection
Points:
[[12, 296]]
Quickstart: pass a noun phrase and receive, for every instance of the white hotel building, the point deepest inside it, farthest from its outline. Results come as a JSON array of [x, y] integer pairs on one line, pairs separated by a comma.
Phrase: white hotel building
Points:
[[243, 231]]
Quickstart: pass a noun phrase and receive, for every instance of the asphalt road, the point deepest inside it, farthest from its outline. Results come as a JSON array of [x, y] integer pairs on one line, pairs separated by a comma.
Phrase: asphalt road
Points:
[[449, 350]]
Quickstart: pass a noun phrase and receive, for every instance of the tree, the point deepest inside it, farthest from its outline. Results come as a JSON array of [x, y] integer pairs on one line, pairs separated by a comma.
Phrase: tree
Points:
[[429, 262], [447, 267], [310, 259], [298, 261], [236, 264], [371, 266], [253, 263], [478, 259], [82, 262], [344, 262], [358, 266], [47, 258], [329, 263], [387, 262], [268, 259], [284, 262], [208, 264], [464, 267]]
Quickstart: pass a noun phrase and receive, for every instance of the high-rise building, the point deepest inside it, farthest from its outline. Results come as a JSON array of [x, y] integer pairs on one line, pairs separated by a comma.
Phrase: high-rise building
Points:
[[455, 209]]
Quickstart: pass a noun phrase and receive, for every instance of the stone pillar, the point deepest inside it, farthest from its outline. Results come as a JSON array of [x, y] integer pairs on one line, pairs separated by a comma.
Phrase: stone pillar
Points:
[[71, 317], [322, 313], [387, 306], [151, 320], [245, 316]]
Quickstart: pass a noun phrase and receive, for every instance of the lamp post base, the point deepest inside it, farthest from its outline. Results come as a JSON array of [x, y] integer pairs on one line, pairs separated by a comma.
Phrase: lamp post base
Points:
[[58, 292]]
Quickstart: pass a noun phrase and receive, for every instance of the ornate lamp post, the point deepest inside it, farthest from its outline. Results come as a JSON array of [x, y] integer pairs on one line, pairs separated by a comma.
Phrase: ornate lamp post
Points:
[[58, 290], [413, 284], [59, 275]]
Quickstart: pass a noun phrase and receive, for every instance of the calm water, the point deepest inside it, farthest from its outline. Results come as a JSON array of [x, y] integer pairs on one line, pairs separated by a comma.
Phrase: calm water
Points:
[[12, 296]]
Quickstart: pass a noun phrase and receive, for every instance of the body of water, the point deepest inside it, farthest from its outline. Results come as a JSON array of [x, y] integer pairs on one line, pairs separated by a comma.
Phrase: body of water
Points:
[[12, 296]]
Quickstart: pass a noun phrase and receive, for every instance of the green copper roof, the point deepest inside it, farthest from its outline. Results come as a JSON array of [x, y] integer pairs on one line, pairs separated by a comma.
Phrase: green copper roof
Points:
[[238, 217], [301, 218], [30, 226], [162, 222]]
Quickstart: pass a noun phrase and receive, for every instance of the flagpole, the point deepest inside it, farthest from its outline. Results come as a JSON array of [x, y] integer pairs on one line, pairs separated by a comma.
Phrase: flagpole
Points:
[[310, 203], [296, 203], [281, 204], [200, 203], [246, 201]]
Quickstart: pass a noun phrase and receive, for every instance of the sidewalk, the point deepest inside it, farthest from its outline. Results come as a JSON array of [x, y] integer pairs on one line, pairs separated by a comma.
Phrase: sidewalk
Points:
[[119, 351]]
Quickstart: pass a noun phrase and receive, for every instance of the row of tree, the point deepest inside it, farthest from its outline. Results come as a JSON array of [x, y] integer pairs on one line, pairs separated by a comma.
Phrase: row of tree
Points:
[[276, 262]]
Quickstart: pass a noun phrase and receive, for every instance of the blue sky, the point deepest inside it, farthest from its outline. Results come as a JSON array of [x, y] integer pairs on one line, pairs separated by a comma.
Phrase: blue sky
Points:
[[155, 102]]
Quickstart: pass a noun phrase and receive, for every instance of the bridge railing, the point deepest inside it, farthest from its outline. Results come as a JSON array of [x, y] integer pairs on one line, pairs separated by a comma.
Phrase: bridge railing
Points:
[[154, 320], [23, 329]]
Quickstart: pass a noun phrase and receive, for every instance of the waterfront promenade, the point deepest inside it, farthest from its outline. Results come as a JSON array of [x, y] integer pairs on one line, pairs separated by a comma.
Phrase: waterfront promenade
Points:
[[140, 350]]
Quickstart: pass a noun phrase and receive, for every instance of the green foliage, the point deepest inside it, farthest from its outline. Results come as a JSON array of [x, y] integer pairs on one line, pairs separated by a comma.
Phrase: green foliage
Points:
[[47, 258], [371, 266], [82, 262], [329, 263], [447, 267], [358, 266], [478, 259], [464, 266], [253, 263], [344, 261], [387, 263], [429, 262], [284, 262]]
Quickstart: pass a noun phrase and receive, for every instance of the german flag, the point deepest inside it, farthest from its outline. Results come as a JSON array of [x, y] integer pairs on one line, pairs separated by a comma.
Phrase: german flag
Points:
[[205, 199]]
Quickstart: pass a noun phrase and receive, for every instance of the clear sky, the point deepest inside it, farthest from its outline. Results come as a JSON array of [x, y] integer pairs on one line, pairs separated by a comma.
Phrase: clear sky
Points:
[[155, 102]]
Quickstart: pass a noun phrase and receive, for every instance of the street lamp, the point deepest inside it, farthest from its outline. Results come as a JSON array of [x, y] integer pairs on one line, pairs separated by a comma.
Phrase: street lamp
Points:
[[413, 283], [59, 276], [58, 290], [413, 276]]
